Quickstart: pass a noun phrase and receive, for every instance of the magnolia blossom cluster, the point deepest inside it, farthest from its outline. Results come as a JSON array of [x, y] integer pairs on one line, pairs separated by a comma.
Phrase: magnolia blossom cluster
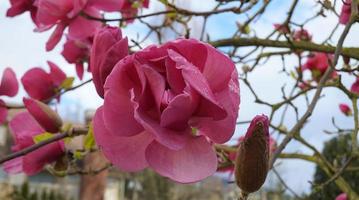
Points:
[[78, 19]]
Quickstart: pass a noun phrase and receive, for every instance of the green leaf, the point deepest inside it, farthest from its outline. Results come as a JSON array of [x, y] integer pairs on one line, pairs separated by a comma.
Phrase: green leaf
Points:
[[42, 137], [89, 139], [67, 83]]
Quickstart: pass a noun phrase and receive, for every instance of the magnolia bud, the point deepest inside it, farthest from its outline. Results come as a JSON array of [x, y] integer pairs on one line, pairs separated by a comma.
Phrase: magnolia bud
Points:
[[44, 115], [251, 165]]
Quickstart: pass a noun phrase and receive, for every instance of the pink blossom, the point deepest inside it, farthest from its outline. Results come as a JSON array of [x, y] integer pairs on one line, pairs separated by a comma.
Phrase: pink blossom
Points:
[[8, 87], [355, 86], [342, 196], [44, 115], [281, 28], [345, 12], [302, 35], [108, 48], [77, 52], [63, 14], [345, 109], [153, 101], [24, 127], [41, 85], [318, 63]]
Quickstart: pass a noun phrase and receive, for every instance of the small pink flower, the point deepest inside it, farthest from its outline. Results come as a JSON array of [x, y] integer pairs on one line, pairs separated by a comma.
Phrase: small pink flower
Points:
[[302, 35], [281, 28], [77, 52], [20, 6], [41, 85], [345, 109], [44, 115], [24, 127], [318, 63], [355, 86], [153, 101], [345, 12], [8, 87], [63, 14], [342, 196], [108, 48]]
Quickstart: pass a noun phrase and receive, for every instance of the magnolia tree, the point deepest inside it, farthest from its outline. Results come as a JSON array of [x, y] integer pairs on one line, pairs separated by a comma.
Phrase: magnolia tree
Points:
[[172, 106]]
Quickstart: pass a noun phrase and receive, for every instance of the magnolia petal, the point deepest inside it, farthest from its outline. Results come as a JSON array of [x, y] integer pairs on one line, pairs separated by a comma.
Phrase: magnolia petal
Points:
[[23, 127], [126, 153], [195, 161], [44, 115], [35, 161], [55, 36], [14, 166], [9, 85], [192, 75], [38, 84], [57, 75], [220, 131]]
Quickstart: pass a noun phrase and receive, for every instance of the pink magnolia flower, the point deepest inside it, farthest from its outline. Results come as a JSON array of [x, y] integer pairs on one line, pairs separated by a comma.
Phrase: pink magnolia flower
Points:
[[44, 115], [153, 101], [24, 127], [302, 35], [77, 52], [8, 87], [20, 6], [318, 63], [63, 14], [342, 196], [41, 85], [108, 48], [355, 86], [345, 109], [345, 12], [281, 28]]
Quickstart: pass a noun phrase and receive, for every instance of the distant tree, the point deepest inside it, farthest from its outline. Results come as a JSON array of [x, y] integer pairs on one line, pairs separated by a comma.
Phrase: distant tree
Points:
[[336, 151]]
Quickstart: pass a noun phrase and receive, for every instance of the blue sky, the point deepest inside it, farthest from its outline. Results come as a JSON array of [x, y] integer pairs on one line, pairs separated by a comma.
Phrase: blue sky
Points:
[[21, 49]]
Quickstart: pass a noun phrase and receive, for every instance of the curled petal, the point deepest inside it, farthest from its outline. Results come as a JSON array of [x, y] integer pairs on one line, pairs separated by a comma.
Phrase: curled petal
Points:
[[55, 36], [195, 161]]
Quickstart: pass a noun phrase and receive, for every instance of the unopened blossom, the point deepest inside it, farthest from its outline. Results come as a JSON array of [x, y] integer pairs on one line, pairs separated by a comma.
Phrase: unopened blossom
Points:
[[345, 12], [41, 85], [108, 48], [345, 109], [355, 86], [24, 128], [251, 165], [342, 196], [48, 119], [302, 35], [281, 28], [164, 108], [8, 87]]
